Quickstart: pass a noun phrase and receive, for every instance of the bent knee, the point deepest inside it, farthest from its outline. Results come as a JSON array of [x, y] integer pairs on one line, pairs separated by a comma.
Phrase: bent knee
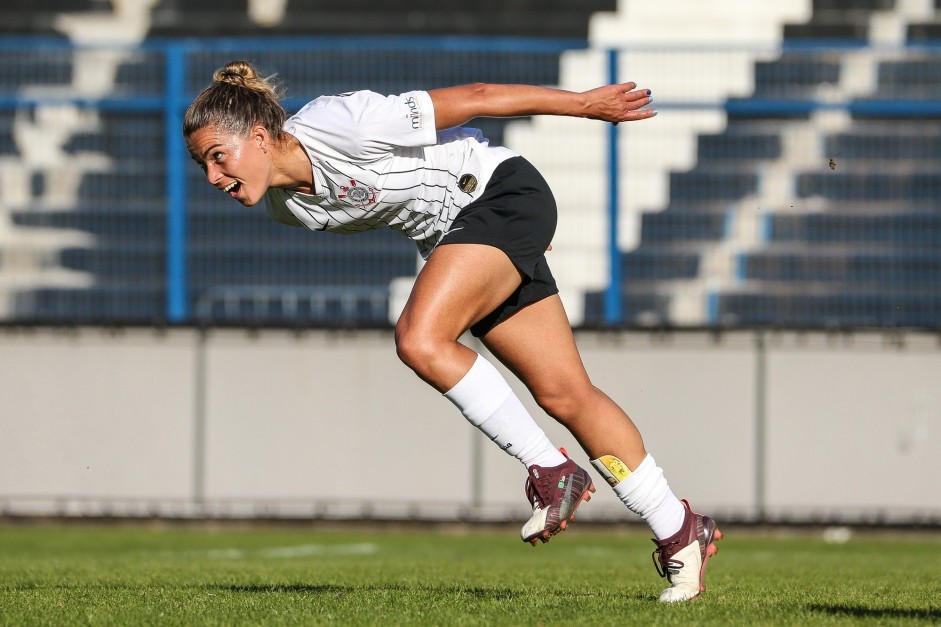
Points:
[[414, 347]]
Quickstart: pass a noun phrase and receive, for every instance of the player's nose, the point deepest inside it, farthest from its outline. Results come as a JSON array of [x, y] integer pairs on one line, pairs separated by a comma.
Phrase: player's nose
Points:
[[213, 174]]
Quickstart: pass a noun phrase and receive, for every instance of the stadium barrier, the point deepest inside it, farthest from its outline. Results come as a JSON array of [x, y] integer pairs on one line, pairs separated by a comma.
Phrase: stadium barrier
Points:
[[751, 426]]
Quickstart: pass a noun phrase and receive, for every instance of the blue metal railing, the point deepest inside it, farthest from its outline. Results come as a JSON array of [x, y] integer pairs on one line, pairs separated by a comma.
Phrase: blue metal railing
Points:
[[612, 296], [177, 279]]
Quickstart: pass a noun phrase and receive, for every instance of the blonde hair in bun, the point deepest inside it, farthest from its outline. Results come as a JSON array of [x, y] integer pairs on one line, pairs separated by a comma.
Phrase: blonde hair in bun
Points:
[[238, 99]]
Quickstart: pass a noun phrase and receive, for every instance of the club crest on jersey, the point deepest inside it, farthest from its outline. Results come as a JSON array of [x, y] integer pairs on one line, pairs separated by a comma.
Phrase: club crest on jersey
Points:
[[357, 194]]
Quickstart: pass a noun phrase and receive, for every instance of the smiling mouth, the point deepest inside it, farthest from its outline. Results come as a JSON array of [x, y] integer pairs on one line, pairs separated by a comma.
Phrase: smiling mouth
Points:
[[232, 187]]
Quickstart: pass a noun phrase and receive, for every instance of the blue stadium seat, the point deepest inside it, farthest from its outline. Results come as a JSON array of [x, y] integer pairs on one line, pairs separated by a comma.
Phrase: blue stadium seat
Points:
[[118, 303], [667, 227], [795, 75], [143, 75], [7, 144], [912, 230], [846, 20], [37, 17], [923, 189], [146, 221], [124, 136], [522, 18], [833, 309], [843, 270], [19, 69], [920, 141], [746, 146], [646, 264], [706, 187], [344, 263], [910, 78], [128, 184], [639, 307]]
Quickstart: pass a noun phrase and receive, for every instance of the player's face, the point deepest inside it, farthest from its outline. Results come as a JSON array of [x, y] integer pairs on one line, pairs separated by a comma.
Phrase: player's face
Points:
[[239, 166]]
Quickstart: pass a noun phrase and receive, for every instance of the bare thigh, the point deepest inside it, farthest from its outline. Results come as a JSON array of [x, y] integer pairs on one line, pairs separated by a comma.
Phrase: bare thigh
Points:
[[459, 285], [537, 344]]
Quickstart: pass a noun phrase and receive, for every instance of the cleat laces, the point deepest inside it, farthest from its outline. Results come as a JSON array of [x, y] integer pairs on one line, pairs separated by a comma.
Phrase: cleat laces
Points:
[[538, 491], [665, 564]]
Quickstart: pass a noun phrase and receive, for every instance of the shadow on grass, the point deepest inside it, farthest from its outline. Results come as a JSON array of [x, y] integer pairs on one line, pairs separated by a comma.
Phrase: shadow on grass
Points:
[[284, 587], [477, 592], [875, 612]]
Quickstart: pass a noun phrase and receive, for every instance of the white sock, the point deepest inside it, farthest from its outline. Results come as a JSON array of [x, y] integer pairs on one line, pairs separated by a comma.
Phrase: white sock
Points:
[[646, 493], [488, 403]]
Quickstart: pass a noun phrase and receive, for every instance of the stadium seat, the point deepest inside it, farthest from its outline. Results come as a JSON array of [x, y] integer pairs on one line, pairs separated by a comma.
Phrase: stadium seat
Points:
[[829, 309], [37, 17], [367, 17], [678, 227], [638, 307], [912, 230], [746, 146], [124, 136], [835, 268], [707, 187], [20, 69], [871, 189], [795, 75], [7, 144], [658, 265], [846, 20], [910, 78]]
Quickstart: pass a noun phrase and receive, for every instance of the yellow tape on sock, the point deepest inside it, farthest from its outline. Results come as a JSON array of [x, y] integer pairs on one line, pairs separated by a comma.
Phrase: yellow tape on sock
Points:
[[612, 469]]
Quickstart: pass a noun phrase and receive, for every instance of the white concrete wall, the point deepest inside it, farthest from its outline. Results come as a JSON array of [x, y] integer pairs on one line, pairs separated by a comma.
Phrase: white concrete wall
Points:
[[320, 423]]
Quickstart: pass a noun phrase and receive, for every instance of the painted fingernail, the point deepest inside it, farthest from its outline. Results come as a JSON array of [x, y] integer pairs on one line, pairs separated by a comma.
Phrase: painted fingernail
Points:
[[649, 99], [648, 92]]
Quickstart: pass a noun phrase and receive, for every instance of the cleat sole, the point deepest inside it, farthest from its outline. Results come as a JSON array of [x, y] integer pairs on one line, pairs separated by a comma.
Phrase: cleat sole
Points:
[[546, 535], [711, 550]]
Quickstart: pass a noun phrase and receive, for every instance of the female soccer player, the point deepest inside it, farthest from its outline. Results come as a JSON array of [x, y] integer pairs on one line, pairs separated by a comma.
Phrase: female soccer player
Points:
[[482, 217]]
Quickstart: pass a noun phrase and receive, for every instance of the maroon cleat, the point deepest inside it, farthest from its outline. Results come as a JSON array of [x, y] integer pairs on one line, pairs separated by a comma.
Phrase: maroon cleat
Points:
[[682, 557], [555, 494]]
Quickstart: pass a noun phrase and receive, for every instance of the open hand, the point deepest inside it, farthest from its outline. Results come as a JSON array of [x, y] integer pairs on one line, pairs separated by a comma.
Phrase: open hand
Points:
[[617, 103]]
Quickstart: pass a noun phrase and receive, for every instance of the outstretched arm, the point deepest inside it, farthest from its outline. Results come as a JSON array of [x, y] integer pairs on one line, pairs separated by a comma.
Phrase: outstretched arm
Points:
[[612, 103]]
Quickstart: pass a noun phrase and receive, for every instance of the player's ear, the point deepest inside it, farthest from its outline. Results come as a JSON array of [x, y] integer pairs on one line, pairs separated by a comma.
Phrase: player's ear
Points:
[[260, 136]]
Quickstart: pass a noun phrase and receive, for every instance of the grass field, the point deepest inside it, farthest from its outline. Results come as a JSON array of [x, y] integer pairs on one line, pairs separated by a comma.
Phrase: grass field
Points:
[[138, 575]]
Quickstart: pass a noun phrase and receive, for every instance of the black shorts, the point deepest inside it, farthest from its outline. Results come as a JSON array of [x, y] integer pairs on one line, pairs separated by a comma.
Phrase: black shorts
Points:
[[517, 214]]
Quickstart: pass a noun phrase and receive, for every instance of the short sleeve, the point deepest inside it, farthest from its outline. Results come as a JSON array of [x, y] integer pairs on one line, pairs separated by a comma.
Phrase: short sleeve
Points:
[[368, 125]]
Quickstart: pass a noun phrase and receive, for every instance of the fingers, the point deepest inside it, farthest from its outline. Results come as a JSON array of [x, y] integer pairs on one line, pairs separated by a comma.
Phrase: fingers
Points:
[[633, 116], [619, 103], [631, 103]]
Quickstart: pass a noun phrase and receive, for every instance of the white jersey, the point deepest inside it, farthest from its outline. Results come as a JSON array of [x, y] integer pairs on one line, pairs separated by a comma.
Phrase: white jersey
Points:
[[378, 162]]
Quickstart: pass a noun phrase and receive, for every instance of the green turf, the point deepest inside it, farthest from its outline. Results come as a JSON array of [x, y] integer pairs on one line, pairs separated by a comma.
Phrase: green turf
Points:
[[81, 574]]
